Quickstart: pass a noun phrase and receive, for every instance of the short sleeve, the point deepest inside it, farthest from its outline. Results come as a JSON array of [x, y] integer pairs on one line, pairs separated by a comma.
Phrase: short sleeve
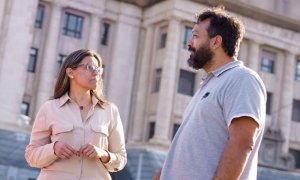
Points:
[[245, 96]]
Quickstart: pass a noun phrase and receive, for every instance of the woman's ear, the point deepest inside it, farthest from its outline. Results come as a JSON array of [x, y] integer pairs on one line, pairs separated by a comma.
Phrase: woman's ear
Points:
[[70, 73]]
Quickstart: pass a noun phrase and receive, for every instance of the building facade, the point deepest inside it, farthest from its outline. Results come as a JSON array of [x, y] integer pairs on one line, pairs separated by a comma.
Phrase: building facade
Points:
[[143, 47]]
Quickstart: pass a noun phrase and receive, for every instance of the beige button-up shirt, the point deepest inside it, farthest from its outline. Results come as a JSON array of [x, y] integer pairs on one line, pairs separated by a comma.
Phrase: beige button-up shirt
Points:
[[60, 120]]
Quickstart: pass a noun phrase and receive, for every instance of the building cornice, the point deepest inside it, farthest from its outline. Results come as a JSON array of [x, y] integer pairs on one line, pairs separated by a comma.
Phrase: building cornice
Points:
[[256, 13]]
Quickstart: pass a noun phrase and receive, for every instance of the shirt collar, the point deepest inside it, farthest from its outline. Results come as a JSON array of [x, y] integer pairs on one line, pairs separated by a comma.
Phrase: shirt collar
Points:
[[65, 98], [226, 67]]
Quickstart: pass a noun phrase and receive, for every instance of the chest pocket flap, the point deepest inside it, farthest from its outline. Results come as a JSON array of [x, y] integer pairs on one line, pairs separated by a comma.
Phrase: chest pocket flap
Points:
[[99, 129], [57, 129]]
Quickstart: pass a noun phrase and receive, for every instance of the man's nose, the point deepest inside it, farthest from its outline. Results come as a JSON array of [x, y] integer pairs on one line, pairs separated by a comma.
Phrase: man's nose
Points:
[[189, 43]]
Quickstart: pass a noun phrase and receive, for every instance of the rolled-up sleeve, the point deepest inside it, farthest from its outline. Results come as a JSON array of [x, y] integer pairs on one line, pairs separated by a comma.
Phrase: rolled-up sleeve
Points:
[[116, 143], [39, 152]]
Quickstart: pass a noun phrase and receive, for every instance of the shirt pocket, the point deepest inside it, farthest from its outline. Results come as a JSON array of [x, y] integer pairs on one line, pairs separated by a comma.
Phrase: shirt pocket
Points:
[[99, 135], [63, 132]]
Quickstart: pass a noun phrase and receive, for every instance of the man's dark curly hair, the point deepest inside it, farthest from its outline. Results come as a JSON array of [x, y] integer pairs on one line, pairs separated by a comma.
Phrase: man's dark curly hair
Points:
[[228, 27]]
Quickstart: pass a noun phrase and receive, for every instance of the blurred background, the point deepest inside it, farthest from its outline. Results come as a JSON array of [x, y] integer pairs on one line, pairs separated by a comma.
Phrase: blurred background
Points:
[[143, 47]]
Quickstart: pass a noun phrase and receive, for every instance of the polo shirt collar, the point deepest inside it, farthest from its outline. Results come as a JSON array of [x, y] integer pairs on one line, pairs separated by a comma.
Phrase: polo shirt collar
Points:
[[226, 67]]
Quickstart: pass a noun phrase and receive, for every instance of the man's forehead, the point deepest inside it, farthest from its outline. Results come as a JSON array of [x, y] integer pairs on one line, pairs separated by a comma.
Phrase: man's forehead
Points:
[[200, 25]]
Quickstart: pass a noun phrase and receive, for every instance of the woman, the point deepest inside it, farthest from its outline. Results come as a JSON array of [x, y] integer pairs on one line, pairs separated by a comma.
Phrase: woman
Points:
[[77, 134]]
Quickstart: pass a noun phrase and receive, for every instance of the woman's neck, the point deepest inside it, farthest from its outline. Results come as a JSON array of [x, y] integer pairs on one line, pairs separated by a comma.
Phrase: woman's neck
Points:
[[81, 98]]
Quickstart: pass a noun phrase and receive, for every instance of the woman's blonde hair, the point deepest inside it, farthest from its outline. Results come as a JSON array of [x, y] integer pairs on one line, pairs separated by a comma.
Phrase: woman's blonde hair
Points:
[[62, 85]]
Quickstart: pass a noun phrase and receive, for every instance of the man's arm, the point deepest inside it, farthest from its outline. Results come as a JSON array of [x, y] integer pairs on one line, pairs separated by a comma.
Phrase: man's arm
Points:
[[242, 133]]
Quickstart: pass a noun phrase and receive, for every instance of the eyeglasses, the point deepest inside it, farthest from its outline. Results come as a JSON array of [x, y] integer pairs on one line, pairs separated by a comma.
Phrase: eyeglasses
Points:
[[91, 68]]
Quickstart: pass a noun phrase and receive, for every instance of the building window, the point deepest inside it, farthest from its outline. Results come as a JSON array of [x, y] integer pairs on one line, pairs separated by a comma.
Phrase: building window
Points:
[[162, 37], [103, 66], [298, 70], [151, 130], [269, 103], [32, 60], [157, 78], [267, 61], [187, 36], [186, 82], [25, 108], [296, 110], [72, 25], [296, 154], [39, 16], [60, 60], [175, 129], [105, 34]]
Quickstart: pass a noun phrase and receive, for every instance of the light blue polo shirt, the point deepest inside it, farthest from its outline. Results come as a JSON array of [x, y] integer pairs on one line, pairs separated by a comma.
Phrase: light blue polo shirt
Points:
[[229, 92]]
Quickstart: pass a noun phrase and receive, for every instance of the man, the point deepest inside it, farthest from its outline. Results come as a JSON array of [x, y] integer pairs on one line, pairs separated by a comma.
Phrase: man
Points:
[[223, 125]]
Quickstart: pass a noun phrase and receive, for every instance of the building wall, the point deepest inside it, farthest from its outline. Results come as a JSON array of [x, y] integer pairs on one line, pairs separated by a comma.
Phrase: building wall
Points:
[[165, 107], [131, 58], [35, 88]]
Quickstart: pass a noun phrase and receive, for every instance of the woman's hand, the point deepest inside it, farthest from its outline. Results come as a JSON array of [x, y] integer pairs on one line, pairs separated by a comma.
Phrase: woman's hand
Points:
[[64, 150], [92, 151]]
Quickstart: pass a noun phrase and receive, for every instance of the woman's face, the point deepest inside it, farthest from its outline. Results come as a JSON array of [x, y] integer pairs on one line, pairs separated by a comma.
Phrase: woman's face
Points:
[[87, 74]]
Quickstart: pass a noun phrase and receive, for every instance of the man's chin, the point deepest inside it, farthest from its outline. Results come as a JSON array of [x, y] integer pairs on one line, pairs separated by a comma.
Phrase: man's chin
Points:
[[192, 64]]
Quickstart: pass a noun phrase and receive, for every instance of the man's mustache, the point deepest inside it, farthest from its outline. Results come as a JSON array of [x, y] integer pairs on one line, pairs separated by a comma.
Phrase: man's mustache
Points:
[[191, 49]]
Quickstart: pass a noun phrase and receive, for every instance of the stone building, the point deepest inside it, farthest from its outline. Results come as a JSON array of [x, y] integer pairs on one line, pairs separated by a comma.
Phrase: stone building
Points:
[[143, 46]]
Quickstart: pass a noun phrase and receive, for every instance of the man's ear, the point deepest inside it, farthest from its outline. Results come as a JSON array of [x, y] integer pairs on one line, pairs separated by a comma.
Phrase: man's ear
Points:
[[70, 73], [216, 42]]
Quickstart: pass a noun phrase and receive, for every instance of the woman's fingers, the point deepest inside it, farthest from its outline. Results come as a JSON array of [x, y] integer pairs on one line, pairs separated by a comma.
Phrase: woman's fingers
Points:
[[64, 150]]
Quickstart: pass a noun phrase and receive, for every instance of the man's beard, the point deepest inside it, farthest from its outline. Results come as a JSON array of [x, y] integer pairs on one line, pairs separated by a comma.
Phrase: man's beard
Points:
[[200, 57]]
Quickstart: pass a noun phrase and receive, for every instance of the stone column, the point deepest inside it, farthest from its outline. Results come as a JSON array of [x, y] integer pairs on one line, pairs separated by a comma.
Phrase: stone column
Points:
[[137, 126], [16, 37], [94, 33], [122, 65], [253, 56], [243, 52], [48, 68], [168, 83], [286, 99]]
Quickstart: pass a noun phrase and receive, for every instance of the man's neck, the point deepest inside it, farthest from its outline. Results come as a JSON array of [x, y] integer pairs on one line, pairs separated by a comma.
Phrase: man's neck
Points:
[[217, 62]]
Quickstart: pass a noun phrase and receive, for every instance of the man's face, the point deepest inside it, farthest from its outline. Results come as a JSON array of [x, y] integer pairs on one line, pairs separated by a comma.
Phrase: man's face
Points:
[[199, 46]]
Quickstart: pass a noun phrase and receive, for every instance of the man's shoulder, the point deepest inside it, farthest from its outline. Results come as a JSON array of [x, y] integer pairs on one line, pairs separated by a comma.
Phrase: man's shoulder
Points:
[[243, 72]]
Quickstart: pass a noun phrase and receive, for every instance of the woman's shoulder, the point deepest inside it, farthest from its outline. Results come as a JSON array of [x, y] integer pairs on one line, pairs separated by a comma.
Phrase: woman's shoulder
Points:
[[111, 106], [50, 103]]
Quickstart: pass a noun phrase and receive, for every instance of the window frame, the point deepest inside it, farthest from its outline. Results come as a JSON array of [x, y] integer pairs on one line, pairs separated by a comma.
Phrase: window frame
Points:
[[180, 88], [296, 110], [31, 67], [157, 80], [296, 154], [163, 36], [186, 36], [105, 33], [151, 130], [269, 103], [297, 72], [267, 61], [176, 126], [60, 60], [39, 17], [75, 32], [26, 113]]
